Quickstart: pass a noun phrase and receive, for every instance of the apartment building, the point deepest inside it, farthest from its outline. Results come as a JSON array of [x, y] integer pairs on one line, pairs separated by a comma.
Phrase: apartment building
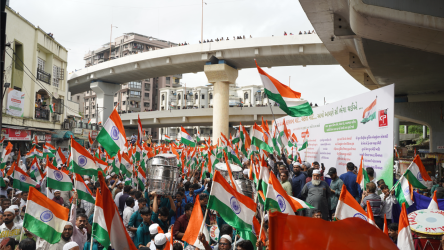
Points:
[[135, 96], [35, 70]]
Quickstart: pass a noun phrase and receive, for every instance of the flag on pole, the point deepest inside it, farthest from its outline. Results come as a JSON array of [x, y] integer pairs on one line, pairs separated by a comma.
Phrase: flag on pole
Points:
[[34, 152], [83, 192], [126, 165], [277, 198], [89, 122], [404, 191], [195, 224], [82, 161], [35, 171], [59, 158], [185, 138], [49, 150], [108, 228], [405, 239], [371, 218], [305, 143], [35, 142], [57, 179], [100, 164], [5, 155], [44, 217], [22, 181], [417, 174], [434, 202], [259, 139], [139, 130], [386, 232], [91, 142], [289, 100], [141, 178], [167, 138], [245, 140], [51, 107], [236, 209], [348, 207], [369, 113], [112, 136], [362, 178], [198, 136]]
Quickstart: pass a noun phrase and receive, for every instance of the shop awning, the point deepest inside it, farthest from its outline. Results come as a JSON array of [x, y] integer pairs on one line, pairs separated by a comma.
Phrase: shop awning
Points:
[[63, 134]]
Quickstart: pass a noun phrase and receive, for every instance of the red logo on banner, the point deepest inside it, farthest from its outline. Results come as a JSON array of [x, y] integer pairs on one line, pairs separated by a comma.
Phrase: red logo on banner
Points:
[[383, 119], [305, 134]]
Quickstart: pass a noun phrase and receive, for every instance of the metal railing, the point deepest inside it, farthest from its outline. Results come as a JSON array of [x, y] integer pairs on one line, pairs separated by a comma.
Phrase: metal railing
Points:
[[42, 114], [43, 76]]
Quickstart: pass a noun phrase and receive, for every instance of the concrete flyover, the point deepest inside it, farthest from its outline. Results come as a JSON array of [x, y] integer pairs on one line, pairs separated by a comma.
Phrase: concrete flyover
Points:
[[380, 42], [268, 51], [199, 117]]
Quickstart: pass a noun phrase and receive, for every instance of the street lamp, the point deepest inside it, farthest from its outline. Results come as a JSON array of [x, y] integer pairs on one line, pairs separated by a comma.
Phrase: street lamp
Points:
[[110, 39]]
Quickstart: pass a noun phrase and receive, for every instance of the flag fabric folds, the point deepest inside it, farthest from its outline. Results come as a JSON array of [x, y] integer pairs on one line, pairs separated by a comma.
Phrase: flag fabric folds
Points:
[[185, 138], [44, 217], [57, 179], [417, 174], [83, 191], [348, 207], [195, 225], [82, 161], [405, 239], [112, 136]]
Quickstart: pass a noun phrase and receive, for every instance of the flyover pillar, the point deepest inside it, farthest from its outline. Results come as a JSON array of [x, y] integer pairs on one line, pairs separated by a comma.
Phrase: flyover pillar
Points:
[[104, 99], [221, 76]]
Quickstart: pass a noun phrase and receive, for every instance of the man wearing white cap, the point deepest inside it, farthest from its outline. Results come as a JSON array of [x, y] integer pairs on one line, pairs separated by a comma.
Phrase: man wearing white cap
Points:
[[245, 172], [225, 242], [153, 233], [71, 246], [66, 237], [9, 228], [317, 193], [4, 190], [160, 241]]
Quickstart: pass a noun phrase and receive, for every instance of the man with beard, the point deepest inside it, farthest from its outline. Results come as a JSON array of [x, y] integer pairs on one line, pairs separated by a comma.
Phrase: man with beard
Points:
[[317, 193], [66, 237], [9, 228]]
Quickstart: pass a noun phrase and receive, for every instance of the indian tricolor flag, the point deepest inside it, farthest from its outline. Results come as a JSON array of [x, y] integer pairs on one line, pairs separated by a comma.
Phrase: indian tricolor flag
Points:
[[89, 122], [22, 180], [5, 155], [141, 177], [34, 152], [369, 113], [82, 161], [49, 150], [83, 191], [100, 164], [195, 226], [305, 143], [236, 209], [185, 138], [405, 239], [245, 141], [278, 199], [289, 101], [362, 178], [126, 165], [35, 171], [434, 202], [112, 136], [417, 174], [59, 158], [404, 191], [57, 179], [44, 217], [348, 207], [167, 138], [51, 108], [259, 139], [108, 228]]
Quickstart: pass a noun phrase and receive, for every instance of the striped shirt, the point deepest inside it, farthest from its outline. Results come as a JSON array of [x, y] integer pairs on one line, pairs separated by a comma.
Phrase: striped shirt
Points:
[[375, 203]]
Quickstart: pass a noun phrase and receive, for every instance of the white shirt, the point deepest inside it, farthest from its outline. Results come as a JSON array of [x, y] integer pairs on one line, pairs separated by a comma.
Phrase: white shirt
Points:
[[136, 205], [152, 246], [78, 235], [387, 205], [126, 218], [116, 199], [14, 232]]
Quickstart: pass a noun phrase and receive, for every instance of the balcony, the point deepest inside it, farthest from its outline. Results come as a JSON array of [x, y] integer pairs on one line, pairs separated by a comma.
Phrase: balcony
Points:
[[42, 114], [43, 76]]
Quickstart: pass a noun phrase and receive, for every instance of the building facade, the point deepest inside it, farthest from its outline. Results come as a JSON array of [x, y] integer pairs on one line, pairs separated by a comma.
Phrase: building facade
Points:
[[135, 96], [35, 72]]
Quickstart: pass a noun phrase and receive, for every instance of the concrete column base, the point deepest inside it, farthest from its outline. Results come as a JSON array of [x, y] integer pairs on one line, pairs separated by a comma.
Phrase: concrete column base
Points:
[[221, 75], [104, 99], [396, 132]]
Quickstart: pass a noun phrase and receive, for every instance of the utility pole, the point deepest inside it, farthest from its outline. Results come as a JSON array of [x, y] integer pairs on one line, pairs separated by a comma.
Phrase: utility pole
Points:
[[2, 56], [110, 39], [201, 27]]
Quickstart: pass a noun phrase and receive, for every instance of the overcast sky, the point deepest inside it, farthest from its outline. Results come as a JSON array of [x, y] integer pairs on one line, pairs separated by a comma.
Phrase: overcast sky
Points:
[[85, 25]]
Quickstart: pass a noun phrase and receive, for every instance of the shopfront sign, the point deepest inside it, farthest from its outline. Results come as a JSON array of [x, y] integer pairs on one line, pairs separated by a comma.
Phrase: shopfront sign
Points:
[[15, 103], [17, 135], [48, 138], [77, 130], [94, 133]]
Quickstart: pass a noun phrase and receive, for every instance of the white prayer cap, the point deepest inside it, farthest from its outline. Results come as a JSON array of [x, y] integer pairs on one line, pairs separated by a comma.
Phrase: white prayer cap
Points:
[[68, 224], [316, 171], [11, 210], [119, 182], [184, 181], [296, 163], [246, 171], [153, 228], [55, 191], [18, 192], [85, 176], [113, 174], [86, 182], [168, 235], [108, 177], [266, 217], [160, 239], [14, 207], [70, 245], [228, 237], [5, 179]]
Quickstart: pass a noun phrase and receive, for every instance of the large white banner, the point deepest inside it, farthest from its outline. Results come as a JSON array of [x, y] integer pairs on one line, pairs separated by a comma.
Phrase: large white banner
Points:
[[343, 131], [15, 102]]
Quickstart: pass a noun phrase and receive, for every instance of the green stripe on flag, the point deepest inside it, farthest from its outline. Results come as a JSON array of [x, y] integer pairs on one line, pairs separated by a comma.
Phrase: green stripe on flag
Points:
[[41, 229], [85, 196], [62, 186], [295, 111], [271, 204], [23, 186], [82, 171], [107, 142], [228, 214], [101, 235], [304, 146], [413, 180]]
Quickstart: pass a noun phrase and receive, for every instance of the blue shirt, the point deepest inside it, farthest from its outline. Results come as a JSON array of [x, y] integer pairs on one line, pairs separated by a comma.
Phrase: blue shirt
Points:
[[190, 199], [349, 180], [180, 210], [297, 183]]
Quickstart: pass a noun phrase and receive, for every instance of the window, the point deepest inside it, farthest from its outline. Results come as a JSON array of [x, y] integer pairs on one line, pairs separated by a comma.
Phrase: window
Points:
[[196, 96], [168, 80], [134, 93], [147, 86], [86, 116], [115, 94], [178, 97], [135, 85], [86, 107], [94, 99], [146, 104], [93, 115], [40, 64], [115, 104], [78, 98], [147, 94], [163, 97], [123, 102], [211, 96], [264, 95], [245, 96], [176, 80], [147, 79], [203, 97]]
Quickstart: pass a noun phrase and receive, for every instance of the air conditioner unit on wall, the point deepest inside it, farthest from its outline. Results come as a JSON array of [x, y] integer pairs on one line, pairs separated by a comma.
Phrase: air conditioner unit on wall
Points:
[[56, 117], [66, 126]]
